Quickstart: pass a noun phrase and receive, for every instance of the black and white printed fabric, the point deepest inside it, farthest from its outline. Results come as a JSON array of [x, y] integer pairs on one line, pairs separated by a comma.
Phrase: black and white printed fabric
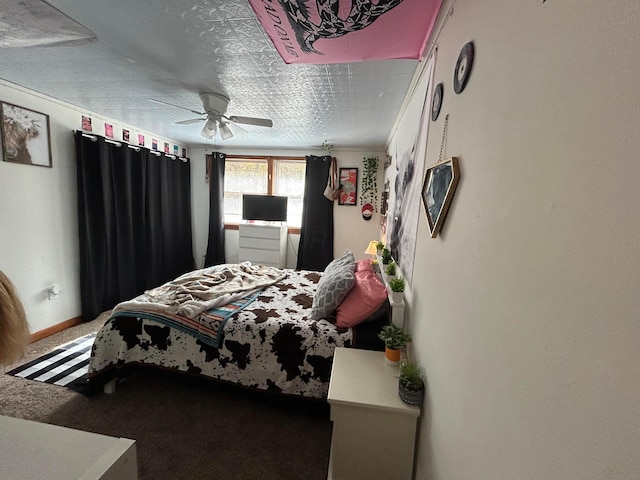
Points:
[[63, 366], [272, 345]]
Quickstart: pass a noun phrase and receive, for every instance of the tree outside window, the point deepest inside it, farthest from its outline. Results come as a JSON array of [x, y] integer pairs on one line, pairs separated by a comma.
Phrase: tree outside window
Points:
[[264, 176]]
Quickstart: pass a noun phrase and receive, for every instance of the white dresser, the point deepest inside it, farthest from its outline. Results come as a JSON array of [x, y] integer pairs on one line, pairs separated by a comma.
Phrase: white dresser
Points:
[[264, 243], [374, 432], [39, 451]]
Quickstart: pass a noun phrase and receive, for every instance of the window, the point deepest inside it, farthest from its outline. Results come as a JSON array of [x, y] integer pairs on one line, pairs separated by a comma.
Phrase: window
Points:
[[265, 176]]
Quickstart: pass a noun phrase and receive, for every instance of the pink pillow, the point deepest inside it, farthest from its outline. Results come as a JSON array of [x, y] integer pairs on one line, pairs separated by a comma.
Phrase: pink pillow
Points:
[[364, 264], [365, 297]]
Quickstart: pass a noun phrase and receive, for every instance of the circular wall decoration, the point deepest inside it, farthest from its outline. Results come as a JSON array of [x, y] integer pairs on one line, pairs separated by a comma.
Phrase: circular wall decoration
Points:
[[436, 102], [463, 68]]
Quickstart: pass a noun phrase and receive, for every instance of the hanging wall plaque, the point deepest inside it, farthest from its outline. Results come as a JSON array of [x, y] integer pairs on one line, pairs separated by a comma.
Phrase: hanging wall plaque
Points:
[[437, 192]]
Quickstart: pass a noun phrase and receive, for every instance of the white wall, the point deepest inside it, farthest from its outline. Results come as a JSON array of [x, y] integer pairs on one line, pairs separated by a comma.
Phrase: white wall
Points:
[[351, 231], [38, 214], [525, 310]]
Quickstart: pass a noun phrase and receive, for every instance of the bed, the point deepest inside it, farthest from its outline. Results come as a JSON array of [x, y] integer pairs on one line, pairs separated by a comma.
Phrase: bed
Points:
[[277, 337]]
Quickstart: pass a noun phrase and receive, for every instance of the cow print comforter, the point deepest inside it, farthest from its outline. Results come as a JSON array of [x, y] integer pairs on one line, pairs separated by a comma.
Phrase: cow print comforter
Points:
[[272, 345]]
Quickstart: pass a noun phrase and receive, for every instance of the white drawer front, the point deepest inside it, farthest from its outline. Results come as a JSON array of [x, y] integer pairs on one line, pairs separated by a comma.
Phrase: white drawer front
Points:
[[255, 255], [260, 231], [259, 243]]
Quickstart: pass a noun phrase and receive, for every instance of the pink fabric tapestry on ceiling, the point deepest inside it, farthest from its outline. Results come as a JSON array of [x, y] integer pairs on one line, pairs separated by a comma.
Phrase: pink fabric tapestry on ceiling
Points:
[[345, 31]]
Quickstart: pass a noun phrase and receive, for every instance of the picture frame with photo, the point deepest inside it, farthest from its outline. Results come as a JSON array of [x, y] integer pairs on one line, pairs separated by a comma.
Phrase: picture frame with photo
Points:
[[26, 135], [438, 189], [348, 181], [86, 123]]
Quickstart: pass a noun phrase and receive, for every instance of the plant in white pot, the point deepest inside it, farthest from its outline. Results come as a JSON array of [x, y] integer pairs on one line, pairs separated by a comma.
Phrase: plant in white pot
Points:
[[379, 247], [390, 269], [395, 339], [397, 289], [411, 383]]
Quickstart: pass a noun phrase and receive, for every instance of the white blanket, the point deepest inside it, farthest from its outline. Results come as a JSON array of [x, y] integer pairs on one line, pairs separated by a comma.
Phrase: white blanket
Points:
[[195, 292]]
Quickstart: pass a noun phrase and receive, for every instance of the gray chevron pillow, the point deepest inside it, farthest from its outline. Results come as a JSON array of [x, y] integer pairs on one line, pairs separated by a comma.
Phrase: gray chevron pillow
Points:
[[334, 285]]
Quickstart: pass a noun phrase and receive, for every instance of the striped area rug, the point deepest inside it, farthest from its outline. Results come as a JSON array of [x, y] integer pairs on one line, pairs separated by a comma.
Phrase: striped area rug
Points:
[[65, 366]]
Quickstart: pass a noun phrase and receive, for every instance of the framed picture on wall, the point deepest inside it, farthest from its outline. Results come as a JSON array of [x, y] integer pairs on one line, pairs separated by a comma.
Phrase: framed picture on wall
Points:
[[348, 186], [25, 135], [437, 192]]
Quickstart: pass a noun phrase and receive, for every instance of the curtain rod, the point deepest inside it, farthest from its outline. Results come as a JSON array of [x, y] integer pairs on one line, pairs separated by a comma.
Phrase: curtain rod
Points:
[[94, 138]]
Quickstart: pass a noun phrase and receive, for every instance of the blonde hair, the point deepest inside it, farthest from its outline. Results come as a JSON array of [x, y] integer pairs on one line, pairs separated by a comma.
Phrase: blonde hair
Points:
[[14, 329]]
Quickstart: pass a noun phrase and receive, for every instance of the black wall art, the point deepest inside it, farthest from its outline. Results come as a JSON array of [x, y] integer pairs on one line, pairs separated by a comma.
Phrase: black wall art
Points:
[[463, 68]]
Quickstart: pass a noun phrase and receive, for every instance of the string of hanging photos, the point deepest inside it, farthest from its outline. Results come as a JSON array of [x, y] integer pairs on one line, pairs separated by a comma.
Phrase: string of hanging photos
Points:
[[94, 138]]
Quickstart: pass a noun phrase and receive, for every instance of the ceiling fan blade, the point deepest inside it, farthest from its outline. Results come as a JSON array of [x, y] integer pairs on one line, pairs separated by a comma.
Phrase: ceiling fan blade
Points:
[[235, 128], [190, 121], [177, 106], [260, 122]]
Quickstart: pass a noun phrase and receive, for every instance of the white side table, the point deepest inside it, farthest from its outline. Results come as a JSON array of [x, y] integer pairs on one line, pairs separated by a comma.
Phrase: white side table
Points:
[[374, 432]]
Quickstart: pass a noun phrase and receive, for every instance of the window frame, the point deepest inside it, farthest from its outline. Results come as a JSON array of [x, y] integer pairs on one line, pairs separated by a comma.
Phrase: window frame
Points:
[[271, 160]]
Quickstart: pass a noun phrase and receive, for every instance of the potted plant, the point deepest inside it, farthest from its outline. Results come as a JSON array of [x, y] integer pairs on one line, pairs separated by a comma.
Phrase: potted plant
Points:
[[411, 383], [395, 339], [386, 256], [379, 247], [391, 269], [397, 289]]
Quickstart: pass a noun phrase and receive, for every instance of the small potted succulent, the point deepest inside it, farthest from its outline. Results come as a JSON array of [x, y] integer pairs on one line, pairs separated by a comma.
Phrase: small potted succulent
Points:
[[395, 339], [397, 289], [411, 383]]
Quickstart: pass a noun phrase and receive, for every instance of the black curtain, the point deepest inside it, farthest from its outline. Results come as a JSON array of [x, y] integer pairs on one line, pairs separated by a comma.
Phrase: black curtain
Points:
[[316, 233], [215, 175], [134, 221]]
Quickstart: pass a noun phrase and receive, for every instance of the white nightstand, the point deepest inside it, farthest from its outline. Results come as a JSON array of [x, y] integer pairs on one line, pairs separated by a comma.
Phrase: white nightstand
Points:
[[374, 432]]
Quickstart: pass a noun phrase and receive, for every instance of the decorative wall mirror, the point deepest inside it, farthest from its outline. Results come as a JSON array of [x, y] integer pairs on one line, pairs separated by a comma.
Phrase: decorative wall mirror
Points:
[[439, 186]]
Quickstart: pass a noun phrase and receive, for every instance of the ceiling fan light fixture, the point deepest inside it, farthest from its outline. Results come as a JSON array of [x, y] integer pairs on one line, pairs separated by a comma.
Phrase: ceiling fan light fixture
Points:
[[225, 131], [209, 129]]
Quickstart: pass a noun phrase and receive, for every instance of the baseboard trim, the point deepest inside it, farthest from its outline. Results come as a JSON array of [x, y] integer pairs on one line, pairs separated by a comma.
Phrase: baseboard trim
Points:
[[40, 334]]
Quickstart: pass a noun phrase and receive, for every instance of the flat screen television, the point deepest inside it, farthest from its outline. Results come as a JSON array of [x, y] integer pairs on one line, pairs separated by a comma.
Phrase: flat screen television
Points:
[[270, 208]]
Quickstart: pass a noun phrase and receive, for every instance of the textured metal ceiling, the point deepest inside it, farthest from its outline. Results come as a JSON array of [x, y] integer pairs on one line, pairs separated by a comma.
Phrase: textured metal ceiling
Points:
[[171, 50]]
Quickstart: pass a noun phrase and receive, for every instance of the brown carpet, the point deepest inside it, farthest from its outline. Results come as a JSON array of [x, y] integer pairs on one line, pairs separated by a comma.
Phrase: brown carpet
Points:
[[184, 429]]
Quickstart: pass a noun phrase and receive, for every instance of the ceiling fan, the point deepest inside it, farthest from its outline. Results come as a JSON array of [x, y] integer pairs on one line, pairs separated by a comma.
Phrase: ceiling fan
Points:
[[215, 109]]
